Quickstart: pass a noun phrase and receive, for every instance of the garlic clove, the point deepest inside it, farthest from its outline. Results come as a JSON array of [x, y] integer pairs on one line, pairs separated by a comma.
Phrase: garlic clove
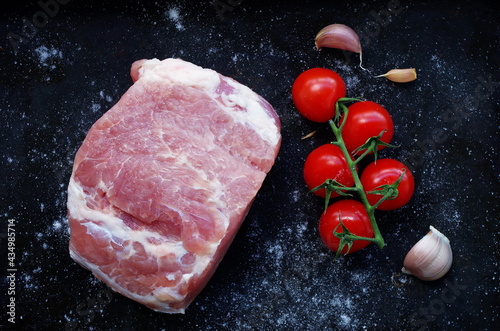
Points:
[[430, 258], [400, 75], [338, 36]]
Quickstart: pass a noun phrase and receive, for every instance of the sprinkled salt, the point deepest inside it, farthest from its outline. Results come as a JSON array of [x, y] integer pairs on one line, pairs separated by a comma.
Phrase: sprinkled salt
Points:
[[57, 225], [45, 54], [95, 107], [174, 15]]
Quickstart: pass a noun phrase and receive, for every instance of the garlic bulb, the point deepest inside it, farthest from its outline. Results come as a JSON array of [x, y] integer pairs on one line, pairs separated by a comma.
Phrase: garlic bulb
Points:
[[430, 258]]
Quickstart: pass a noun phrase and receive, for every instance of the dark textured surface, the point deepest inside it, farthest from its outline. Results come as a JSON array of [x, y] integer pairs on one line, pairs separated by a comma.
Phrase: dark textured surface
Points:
[[277, 274]]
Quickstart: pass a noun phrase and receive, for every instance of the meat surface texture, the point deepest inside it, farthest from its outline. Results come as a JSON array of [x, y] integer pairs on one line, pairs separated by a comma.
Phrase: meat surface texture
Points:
[[164, 179]]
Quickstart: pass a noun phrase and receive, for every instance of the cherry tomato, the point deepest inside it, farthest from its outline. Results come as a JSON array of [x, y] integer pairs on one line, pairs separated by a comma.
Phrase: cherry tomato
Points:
[[366, 119], [326, 162], [315, 92], [387, 171], [353, 215]]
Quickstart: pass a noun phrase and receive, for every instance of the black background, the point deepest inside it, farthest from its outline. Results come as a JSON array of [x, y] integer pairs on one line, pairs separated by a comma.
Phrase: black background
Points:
[[277, 274]]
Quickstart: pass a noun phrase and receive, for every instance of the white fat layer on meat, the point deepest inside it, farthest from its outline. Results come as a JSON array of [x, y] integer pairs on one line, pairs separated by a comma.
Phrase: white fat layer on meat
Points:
[[113, 227], [160, 293], [252, 112], [255, 114], [180, 72]]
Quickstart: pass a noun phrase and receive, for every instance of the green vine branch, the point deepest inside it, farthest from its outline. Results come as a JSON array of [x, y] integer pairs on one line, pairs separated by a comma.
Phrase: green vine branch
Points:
[[371, 146]]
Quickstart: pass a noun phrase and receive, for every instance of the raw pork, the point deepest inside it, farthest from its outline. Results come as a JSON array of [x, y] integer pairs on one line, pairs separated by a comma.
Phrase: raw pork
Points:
[[164, 179]]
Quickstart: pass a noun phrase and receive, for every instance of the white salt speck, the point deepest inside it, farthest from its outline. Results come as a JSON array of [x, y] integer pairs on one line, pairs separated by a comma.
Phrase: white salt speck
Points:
[[45, 54], [56, 225], [105, 97], [301, 229], [95, 107], [345, 320], [174, 16]]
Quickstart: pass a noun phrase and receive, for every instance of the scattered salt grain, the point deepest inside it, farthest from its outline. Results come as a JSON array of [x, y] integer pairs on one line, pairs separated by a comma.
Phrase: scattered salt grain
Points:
[[45, 55], [174, 15], [345, 320], [57, 225], [105, 97], [95, 107]]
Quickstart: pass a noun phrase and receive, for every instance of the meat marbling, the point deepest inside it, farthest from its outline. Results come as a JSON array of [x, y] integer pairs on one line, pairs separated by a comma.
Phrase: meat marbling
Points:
[[164, 179]]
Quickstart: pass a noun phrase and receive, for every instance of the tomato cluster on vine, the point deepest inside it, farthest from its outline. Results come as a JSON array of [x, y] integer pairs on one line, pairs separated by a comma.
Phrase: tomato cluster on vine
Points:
[[331, 171]]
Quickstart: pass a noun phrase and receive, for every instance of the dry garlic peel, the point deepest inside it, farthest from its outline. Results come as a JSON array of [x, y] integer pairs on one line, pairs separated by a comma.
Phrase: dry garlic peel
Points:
[[430, 258], [400, 75]]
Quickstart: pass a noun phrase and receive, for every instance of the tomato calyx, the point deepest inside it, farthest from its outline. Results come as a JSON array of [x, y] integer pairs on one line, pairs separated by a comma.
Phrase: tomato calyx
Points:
[[388, 179], [355, 230], [388, 191], [330, 186], [347, 238], [371, 146], [341, 108]]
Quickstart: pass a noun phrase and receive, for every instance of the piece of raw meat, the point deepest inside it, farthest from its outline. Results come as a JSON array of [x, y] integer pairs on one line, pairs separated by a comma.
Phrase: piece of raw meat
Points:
[[164, 179]]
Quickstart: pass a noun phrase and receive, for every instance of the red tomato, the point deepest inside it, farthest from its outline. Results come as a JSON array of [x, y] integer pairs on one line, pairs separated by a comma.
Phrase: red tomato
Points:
[[315, 92], [387, 171], [366, 119], [354, 217], [326, 162]]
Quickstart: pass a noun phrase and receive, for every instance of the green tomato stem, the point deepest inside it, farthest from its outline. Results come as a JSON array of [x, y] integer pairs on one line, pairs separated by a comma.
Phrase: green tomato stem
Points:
[[358, 187], [366, 152]]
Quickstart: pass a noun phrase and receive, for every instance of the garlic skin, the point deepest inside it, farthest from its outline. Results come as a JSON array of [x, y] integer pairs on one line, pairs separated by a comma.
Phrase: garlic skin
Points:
[[400, 75], [430, 258]]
